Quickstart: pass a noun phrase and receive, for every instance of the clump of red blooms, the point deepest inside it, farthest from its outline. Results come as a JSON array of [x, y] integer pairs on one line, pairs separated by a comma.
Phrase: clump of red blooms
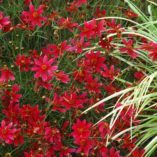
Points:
[[66, 78]]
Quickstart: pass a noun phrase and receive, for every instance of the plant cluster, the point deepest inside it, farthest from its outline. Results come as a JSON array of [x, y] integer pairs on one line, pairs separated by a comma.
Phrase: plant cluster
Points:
[[59, 59]]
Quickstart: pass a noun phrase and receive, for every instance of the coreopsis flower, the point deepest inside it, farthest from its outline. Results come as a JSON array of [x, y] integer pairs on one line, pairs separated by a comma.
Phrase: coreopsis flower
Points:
[[11, 96], [114, 28], [102, 151], [139, 75], [111, 89], [39, 83], [137, 153], [88, 29], [33, 153], [78, 45], [73, 100], [72, 8], [52, 135], [130, 14], [27, 2], [56, 50], [99, 13], [78, 3], [85, 145], [67, 23], [112, 152], [81, 130], [110, 73], [95, 61], [44, 68], [65, 151], [103, 129], [6, 74], [56, 103], [4, 20], [127, 114], [129, 49], [61, 76], [18, 138], [100, 27], [153, 55], [151, 47], [7, 132], [31, 114], [92, 29], [106, 152], [34, 17], [81, 134], [128, 143], [81, 74], [23, 62], [12, 113], [93, 85], [106, 43]]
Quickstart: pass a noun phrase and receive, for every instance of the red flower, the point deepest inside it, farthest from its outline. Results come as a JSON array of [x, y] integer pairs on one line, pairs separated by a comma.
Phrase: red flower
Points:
[[56, 103], [111, 89], [23, 62], [137, 153], [152, 48], [27, 2], [81, 129], [31, 114], [128, 142], [44, 68], [7, 132], [100, 28], [93, 85], [52, 135], [11, 97], [110, 73], [56, 50], [61, 76], [92, 29], [139, 75], [65, 151], [114, 28], [102, 151], [34, 17], [67, 23], [100, 13], [129, 48], [33, 154], [12, 112], [4, 21], [106, 43], [130, 14], [81, 133], [84, 146], [103, 129], [153, 55], [95, 61], [44, 84], [18, 138], [72, 8], [78, 45], [6, 74], [73, 100], [80, 2], [113, 153]]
